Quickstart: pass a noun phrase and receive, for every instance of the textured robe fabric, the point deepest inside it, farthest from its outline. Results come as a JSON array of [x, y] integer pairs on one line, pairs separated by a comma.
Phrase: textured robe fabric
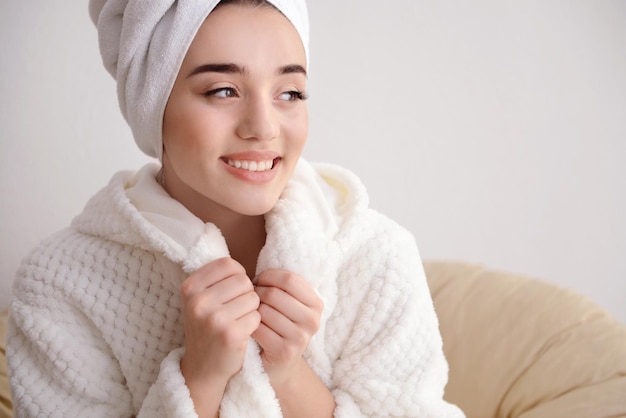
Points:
[[96, 326]]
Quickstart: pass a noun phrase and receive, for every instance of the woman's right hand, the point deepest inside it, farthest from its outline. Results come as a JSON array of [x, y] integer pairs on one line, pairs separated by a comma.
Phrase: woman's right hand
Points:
[[220, 312]]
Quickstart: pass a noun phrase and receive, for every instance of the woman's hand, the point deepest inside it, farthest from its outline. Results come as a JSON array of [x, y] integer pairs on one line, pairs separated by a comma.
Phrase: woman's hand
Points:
[[290, 315], [220, 312]]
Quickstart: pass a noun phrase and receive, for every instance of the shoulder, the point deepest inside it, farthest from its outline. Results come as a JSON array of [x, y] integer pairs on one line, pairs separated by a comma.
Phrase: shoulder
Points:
[[359, 227], [378, 247], [370, 241], [111, 214], [69, 260], [344, 189], [99, 250]]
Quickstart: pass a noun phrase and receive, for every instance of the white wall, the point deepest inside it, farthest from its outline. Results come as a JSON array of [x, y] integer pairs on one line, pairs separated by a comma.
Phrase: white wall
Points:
[[495, 131]]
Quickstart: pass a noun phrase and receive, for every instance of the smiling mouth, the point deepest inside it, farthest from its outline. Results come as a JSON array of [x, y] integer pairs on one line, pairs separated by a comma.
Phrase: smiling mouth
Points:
[[255, 166]]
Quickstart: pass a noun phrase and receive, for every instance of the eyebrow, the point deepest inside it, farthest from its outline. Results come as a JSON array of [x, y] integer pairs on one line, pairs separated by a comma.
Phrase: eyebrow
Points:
[[218, 68], [238, 69], [292, 69]]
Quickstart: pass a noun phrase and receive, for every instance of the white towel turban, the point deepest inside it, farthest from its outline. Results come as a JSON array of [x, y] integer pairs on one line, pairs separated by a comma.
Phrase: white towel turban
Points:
[[143, 44]]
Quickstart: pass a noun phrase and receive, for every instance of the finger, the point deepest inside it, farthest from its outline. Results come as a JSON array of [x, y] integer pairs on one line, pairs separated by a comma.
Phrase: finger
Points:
[[250, 322], [229, 328], [277, 348], [212, 298], [219, 315], [267, 338], [230, 287], [209, 274], [241, 306], [276, 321], [292, 284], [281, 301]]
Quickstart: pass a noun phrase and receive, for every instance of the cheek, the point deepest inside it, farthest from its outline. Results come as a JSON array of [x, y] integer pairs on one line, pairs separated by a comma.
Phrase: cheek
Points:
[[173, 124], [298, 130], [185, 128]]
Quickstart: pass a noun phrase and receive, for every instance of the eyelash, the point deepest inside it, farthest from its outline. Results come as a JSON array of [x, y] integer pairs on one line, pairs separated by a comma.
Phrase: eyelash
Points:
[[231, 92], [297, 95]]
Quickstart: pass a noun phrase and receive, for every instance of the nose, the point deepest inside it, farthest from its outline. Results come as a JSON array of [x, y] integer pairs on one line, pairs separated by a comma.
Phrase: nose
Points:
[[259, 120]]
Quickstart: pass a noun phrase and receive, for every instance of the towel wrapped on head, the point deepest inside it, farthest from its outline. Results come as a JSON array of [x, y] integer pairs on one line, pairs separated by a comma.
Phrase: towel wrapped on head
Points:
[[143, 44]]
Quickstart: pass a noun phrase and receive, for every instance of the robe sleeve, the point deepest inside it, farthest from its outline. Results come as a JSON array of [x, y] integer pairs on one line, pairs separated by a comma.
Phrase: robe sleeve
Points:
[[61, 366], [392, 363]]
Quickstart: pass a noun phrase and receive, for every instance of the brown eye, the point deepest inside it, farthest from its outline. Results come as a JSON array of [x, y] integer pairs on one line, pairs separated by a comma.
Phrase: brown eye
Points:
[[222, 92], [292, 96]]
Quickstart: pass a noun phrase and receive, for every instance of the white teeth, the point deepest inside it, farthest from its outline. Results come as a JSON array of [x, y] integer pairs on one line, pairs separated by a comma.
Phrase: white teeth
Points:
[[252, 165]]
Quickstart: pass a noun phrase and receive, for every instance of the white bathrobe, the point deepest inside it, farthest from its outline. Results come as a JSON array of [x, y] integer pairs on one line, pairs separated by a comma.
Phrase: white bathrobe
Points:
[[96, 326]]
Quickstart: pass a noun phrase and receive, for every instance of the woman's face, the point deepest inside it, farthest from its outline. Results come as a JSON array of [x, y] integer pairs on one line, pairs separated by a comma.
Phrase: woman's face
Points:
[[235, 123]]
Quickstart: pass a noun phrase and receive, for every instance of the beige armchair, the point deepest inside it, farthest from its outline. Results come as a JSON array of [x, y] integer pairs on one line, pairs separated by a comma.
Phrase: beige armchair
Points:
[[5, 394], [517, 347], [522, 348]]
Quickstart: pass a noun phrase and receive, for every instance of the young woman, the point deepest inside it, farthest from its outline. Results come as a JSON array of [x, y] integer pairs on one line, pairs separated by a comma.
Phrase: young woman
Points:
[[234, 279]]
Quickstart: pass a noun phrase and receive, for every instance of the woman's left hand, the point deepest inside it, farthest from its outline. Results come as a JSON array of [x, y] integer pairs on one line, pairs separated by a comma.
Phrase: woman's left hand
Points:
[[290, 315]]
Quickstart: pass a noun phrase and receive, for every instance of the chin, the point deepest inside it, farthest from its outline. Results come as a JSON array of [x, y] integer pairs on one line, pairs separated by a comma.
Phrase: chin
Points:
[[255, 208]]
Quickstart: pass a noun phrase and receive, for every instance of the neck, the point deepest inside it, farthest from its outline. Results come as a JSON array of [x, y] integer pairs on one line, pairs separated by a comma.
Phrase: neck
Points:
[[244, 235]]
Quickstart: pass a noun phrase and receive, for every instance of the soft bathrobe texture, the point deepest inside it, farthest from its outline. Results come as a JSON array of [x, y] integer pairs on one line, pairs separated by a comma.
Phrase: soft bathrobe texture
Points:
[[96, 325]]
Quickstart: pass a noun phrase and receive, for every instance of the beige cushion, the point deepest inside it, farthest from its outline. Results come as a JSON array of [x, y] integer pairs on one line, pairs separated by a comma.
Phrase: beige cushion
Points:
[[523, 348], [5, 393]]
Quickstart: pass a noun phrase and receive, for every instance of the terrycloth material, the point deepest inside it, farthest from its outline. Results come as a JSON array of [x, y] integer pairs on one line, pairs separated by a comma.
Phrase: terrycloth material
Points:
[[143, 44], [96, 327]]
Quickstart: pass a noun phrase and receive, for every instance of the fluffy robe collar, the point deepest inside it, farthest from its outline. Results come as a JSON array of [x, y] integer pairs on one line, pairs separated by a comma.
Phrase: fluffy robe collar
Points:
[[304, 235]]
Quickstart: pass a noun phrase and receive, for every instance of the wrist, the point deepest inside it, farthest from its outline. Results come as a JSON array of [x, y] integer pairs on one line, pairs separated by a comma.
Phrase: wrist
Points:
[[284, 378], [206, 392], [301, 393]]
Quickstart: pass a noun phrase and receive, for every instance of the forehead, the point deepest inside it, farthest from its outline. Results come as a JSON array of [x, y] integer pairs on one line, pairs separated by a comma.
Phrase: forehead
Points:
[[247, 35]]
